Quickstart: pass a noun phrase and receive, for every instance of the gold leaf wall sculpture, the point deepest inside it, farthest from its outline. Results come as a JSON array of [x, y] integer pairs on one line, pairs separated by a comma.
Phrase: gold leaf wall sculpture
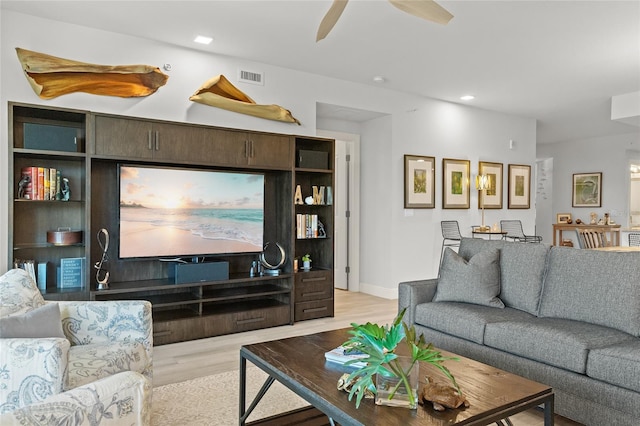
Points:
[[219, 92], [50, 77]]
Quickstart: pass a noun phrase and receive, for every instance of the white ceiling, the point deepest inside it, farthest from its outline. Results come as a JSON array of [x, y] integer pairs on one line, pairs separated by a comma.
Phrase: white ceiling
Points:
[[559, 62]]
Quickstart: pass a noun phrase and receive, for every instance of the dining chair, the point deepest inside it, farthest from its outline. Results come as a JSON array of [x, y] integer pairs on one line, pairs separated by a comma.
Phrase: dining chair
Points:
[[634, 239], [450, 235], [591, 238], [514, 231]]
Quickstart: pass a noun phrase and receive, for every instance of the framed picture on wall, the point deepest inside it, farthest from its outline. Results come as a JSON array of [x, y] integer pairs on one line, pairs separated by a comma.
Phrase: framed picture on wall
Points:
[[419, 182], [455, 183], [587, 190], [519, 196], [492, 197]]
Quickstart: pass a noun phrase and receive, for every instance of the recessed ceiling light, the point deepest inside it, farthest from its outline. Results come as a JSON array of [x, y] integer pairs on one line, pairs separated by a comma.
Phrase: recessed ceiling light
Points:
[[467, 97], [203, 39], [378, 79]]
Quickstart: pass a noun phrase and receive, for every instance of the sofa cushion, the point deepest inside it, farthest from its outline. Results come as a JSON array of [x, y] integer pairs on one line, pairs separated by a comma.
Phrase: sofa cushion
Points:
[[88, 363], [593, 286], [462, 319], [616, 364], [40, 322], [18, 293], [522, 268], [475, 281], [558, 342]]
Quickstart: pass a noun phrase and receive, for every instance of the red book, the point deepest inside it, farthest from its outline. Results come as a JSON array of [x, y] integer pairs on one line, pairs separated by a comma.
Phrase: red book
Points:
[[40, 184], [32, 173]]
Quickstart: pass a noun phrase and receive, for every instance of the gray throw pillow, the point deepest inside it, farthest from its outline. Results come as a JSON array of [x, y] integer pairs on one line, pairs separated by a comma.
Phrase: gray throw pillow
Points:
[[475, 281], [41, 322]]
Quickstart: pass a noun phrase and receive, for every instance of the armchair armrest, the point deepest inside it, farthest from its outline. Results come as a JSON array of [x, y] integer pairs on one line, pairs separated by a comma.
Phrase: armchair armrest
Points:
[[31, 370], [413, 293], [124, 398], [108, 321]]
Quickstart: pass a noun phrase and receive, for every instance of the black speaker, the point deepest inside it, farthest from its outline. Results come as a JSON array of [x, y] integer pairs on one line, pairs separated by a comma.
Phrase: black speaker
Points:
[[313, 159], [198, 272]]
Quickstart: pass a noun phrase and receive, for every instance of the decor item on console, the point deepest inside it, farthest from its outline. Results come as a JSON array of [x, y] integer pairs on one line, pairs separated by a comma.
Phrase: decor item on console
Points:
[[483, 183], [220, 93], [396, 374], [50, 77]]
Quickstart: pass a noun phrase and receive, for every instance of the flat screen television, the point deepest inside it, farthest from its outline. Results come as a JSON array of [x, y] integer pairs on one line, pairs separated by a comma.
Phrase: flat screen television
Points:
[[177, 212]]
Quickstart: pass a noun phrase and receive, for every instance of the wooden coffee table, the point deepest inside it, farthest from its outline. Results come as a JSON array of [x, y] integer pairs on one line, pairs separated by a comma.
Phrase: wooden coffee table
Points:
[[298, 363]]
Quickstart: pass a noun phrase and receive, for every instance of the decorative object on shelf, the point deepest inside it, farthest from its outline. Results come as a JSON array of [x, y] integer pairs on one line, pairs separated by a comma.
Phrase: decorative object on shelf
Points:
[[455, 184], [607, 219], [578, 221], [442, 396], [329, 199], [50, 77], [419, 182], [519, 196], [297, 199], [64, 237], [593, 218], [321, 231], [318, 195], [277, 254], [306, 262], [426, 9], [587, 190], [25, 181], [309, 200], [102, 275], [220, 93], [71, 272], [483, 184], [380, 344], [65, 190], [563, 218], [491, 198]]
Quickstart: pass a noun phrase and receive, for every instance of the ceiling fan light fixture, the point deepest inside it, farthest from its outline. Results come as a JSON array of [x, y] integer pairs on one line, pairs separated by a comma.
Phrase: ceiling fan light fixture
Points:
[[467, 97]]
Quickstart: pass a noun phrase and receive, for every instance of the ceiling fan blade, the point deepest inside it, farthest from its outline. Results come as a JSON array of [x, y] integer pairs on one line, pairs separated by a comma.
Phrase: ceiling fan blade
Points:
[[425, 9], [331, 18]]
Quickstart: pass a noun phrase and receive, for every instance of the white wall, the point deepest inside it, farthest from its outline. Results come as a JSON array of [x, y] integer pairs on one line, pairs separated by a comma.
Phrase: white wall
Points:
[[608, 155], [396, 245]]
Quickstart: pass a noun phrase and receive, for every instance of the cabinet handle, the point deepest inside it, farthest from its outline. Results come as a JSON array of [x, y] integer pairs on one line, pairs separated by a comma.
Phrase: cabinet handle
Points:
[[313, 293], [308, 280], [324, 308], [161, 333], [157, 141], [249, 321], [149, 137], [246, 149], [251, 145]]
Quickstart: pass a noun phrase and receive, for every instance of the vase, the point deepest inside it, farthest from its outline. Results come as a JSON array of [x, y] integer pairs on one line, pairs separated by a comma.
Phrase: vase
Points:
[[306, 264], [401, 389]]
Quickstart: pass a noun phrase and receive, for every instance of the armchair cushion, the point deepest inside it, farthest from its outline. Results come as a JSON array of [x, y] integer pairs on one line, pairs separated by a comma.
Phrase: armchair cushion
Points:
[[18, 294], [88, 363], [40, 322], [31, 370]]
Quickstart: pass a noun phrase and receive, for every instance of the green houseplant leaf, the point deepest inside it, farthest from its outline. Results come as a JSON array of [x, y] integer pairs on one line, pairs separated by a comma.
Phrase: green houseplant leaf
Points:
[[379, 343]]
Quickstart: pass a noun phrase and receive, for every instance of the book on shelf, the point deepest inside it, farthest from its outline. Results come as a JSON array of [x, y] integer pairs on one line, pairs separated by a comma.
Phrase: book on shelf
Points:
[[343, 354], [44, 183], [307, 226], [40, 183], [28, 265], [71, 272]]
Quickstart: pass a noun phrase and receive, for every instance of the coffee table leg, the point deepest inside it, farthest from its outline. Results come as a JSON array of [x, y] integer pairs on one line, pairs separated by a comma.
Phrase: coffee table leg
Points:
[[244, 414], [548, 411]]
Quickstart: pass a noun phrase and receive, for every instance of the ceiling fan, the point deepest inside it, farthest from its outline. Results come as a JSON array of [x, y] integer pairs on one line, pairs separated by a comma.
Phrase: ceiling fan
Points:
[[425, 9]]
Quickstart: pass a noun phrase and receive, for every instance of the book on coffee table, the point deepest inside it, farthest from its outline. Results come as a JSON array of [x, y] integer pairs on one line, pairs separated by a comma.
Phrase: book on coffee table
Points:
[[342, 354]]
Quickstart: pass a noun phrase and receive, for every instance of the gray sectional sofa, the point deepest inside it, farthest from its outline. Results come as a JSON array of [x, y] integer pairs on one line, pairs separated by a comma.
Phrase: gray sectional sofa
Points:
[[566, 317]]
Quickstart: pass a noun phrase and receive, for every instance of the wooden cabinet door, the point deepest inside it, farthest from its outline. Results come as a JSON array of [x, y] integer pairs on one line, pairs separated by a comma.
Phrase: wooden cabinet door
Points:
[[269, 150], [180, 143], [227, 147], [122, 137]]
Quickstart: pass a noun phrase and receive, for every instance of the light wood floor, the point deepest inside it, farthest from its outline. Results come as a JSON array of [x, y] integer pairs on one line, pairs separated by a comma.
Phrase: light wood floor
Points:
[[178, 362]]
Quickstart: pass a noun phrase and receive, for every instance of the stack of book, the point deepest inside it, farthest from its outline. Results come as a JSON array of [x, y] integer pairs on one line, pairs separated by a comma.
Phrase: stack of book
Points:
[[307, 226], [342, 354], [43, 183]]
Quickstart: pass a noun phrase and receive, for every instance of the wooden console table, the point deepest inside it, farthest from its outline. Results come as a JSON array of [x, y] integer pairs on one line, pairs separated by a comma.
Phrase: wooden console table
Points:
[[612, 230]]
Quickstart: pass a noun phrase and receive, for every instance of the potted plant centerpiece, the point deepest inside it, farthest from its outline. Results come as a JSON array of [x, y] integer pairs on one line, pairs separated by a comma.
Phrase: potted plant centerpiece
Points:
[[395, 375]]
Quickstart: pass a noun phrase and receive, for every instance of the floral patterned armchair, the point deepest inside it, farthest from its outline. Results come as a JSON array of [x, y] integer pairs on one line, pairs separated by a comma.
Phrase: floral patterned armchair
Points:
[[72, 363]]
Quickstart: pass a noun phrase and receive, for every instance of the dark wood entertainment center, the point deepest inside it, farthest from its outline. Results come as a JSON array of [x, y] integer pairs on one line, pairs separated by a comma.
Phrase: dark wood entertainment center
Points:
[[180, 311]]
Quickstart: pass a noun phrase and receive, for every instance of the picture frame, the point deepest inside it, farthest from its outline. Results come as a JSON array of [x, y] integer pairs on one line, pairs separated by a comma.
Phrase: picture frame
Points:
[[419, 182], [563, 218], [455, 183], [492, 198], [519, 196], [587, 190]]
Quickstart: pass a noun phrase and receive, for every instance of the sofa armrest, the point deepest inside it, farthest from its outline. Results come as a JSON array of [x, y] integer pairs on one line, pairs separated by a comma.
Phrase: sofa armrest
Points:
[[108, 321], [413, 293], [31, 370], [124, 398]]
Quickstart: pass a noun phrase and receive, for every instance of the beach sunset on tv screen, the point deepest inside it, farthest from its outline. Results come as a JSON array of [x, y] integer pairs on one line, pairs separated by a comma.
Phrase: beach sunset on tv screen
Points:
[[170, 213]]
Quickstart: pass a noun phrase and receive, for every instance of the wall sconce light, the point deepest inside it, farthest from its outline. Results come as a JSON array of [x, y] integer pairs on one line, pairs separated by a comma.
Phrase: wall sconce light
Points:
[[483, 183]]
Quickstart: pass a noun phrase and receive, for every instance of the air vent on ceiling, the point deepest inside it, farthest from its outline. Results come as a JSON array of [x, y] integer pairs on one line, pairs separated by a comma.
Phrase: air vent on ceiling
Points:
[[251, 77]]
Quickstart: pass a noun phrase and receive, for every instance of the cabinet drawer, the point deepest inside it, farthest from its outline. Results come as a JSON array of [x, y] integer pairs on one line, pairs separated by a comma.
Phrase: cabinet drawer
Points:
[[313, 285], [314, 309], [261, 318]]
